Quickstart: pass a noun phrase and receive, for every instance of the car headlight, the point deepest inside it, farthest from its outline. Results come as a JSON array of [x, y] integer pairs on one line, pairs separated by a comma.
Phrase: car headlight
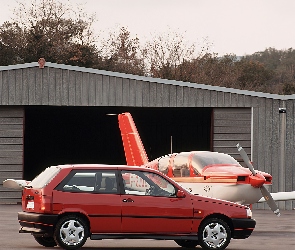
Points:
[[249, 212]]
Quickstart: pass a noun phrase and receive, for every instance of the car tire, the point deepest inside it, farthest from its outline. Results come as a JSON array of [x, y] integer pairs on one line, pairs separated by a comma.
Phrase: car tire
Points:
[[187, 243], [214, 233], [71, 232], [45, 241]]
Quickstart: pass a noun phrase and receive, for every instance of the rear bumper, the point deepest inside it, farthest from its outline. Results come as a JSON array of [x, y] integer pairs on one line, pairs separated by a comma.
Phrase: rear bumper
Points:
[[243, 228], [37, 223]]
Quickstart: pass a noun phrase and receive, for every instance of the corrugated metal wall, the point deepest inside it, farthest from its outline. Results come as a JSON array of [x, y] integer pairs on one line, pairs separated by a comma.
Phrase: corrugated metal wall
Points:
[[273, 144], [11, 150], [272, 140], [287, 178], [232, 126], [65, 87]]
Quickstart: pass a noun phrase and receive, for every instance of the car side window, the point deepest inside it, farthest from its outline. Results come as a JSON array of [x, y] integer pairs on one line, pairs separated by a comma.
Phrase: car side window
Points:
[[146, 183], [103, 181]]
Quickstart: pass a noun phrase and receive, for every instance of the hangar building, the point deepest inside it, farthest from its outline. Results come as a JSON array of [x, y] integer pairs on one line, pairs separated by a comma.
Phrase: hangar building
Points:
[[60, 114]]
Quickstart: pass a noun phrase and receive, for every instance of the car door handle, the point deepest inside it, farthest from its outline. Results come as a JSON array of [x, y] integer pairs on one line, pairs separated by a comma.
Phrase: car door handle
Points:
[[128, 200]]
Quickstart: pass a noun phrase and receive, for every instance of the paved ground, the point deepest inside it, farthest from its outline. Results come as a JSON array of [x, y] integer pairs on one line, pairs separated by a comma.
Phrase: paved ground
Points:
[[271, 233]]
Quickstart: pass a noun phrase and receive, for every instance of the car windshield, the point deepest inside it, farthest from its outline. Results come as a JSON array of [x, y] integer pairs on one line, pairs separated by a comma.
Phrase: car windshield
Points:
[[44, 177]]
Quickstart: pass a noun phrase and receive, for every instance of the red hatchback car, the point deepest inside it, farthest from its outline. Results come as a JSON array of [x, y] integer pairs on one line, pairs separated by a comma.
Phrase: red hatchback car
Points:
[[67, 204]]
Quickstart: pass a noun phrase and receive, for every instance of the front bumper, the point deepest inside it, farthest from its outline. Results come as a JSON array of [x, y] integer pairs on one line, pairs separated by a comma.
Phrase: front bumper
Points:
[[243, 228], [37, 223]]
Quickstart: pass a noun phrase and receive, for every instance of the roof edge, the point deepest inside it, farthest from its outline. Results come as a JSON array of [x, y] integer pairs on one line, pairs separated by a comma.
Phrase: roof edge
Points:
[[19, 66]]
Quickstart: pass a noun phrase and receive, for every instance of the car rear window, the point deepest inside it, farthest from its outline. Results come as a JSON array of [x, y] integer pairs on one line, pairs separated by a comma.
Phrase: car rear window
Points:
[[44, 177], [102, 181]]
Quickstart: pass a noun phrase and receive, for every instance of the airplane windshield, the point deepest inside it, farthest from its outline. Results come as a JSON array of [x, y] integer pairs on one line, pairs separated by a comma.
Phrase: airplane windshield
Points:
[[180, 164], [181, 167], [205, 158]]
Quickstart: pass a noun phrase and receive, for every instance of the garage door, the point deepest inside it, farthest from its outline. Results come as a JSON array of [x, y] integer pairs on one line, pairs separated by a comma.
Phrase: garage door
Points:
[[232, 126]]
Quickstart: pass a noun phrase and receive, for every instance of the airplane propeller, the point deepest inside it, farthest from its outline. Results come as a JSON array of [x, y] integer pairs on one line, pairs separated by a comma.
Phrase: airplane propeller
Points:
[[265, 193]]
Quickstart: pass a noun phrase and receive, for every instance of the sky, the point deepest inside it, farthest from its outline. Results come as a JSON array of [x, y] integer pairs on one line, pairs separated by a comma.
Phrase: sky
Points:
[[230, 26]]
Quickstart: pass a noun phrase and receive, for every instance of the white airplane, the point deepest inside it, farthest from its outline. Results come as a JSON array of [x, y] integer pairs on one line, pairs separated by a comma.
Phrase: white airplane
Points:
[[205, 173]]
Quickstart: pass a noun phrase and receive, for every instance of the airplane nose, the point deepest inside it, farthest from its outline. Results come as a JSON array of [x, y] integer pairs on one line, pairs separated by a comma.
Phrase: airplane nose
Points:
[[257, 180]]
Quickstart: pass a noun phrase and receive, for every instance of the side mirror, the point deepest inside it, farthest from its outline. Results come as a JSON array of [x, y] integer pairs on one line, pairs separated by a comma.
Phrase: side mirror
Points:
[[180, 194]]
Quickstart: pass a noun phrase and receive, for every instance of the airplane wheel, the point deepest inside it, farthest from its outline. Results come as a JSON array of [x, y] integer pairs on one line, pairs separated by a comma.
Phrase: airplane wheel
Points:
[[187, 243], [71, 232], [214, 234]]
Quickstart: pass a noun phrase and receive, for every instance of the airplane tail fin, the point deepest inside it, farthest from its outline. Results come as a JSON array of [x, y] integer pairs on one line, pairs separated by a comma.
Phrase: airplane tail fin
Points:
[[134, 150]]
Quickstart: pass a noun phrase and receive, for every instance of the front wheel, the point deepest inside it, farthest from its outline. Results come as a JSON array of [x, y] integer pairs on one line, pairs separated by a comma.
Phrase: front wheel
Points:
[[187, 243], [45, 241], [214, 234], [71, 232]]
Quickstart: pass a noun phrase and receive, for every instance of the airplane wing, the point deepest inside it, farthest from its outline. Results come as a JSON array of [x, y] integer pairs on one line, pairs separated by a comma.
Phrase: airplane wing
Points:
[[281, 196], [15, 184], [134, 150]]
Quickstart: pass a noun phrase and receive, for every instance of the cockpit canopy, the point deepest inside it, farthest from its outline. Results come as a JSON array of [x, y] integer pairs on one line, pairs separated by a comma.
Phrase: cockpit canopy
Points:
[[184, 163]]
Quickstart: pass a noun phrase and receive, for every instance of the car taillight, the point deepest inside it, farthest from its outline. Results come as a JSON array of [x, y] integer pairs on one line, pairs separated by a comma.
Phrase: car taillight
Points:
[[45, 204]]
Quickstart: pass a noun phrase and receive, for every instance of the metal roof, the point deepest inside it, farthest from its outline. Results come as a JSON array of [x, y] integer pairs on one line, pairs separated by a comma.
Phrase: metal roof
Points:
[[151, 79]]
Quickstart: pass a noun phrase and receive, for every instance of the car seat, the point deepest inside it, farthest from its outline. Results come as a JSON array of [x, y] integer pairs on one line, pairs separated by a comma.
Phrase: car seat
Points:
[[109, 185]]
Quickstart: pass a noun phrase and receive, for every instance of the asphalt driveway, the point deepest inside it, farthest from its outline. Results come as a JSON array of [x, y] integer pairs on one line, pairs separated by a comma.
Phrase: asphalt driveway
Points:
[[271, 233]]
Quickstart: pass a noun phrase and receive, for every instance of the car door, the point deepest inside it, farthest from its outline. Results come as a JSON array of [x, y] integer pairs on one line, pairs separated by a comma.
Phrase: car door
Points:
[[145, 211], [94, 193]]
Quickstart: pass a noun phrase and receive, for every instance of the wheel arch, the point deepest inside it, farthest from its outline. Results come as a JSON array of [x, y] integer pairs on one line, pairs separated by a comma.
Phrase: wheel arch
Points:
[[78, 214], [222, 217]]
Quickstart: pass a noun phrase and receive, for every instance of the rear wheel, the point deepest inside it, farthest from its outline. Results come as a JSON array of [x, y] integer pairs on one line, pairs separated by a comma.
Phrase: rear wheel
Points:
[[214, 234], [187, 243], [45, 241], [71, 232]]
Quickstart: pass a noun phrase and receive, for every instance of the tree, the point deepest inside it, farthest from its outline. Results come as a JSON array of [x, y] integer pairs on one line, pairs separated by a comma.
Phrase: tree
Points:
[[165, 52], [122, 53], [288, 89], [282, 65], [50, 29], [12, 44], [253, 75]]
